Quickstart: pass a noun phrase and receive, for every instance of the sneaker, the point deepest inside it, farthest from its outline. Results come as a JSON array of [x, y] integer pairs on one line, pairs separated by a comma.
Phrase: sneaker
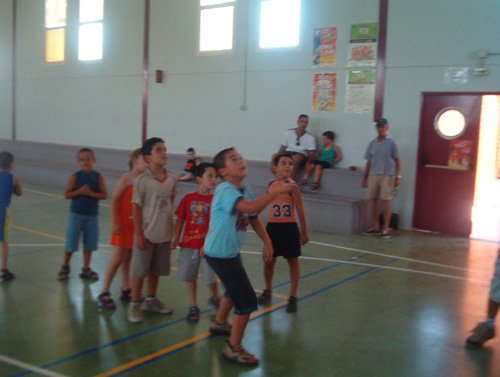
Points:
[[265, 297], [480, 334], [217, 329], [134, 313], [239, 355], [156, 306], [372, 232], [385, 234], [291, 307]]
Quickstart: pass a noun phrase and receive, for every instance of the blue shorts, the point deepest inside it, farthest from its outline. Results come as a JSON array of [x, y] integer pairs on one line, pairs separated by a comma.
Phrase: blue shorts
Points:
[[4, 224], [235, 279], [88, 225]]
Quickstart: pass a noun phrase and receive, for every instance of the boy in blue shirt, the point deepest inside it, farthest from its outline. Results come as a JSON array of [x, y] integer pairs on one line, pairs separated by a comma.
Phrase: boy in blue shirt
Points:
[[233, 209], [9, 184], [85, 188]]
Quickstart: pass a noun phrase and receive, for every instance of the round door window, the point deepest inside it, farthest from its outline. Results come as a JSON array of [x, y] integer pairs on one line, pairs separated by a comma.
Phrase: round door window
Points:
[[449, 123]]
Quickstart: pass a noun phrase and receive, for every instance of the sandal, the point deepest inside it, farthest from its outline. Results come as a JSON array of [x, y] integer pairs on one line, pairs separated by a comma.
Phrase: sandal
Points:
[[7, 275], [64, 272], [303, 182], [105, 301], [88, 274], [125, 296], [314, 185], [193, 314]]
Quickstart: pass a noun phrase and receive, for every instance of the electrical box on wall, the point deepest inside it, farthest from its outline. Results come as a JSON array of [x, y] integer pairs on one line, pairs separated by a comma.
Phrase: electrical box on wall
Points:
[[159, 76]]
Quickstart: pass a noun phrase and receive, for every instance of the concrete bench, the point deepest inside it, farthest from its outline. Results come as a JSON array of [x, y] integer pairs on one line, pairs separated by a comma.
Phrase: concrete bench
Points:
[[338, 206]]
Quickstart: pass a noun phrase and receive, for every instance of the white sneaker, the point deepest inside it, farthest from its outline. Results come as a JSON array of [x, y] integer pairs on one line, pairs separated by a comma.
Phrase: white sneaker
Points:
[[156, 306], [134, 313]]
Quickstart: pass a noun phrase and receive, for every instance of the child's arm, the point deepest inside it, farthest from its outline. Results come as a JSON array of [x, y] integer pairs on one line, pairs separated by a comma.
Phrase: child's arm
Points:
[[101, 194], [69, 193], [338, 154], [140, 241], [257, 205], [299, 207], [18, 189], [120, 187], [179, 225], [267, 251]]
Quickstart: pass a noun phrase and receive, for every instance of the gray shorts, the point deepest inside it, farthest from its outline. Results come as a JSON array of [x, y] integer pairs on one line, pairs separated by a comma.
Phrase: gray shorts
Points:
[[154, 259], [190, 263], [495, 282]]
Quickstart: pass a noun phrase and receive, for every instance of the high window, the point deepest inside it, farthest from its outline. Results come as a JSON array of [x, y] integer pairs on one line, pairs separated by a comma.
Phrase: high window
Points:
[[90, 34], [279, 23], [216, 25], [55, 30]]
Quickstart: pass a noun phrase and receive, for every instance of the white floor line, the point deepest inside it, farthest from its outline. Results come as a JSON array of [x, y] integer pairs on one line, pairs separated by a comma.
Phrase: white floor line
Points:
[[32, 368], [393, 256], [381, 266], [56, 196]]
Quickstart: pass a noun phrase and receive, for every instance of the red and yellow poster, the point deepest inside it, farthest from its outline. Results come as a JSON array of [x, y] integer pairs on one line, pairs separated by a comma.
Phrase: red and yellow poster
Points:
[[325, 47], [460, 154], [323, 94]]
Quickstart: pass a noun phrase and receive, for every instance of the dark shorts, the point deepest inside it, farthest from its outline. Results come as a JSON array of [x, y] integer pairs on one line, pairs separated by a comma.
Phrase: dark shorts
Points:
[[323, 164], [235, 279], [285, 238]]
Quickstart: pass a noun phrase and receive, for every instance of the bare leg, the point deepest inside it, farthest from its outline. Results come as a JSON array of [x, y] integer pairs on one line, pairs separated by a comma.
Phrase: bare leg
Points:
[[87, 256], [153, 281], [268, 274], [307, 171], [240, 322], [493, 307], [317, 173], [126, 258], [293, 265], [387, 213], [214, 289], [4, 252], [297, 160], [112, 267], [136, 286], [375, 214], [224, 308], [191, 289]]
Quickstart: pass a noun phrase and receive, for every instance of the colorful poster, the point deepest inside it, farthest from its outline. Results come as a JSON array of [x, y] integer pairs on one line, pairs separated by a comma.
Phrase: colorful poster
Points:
[[325, 47], [360, 91], [460, 154], [363, 45], [323, 95]]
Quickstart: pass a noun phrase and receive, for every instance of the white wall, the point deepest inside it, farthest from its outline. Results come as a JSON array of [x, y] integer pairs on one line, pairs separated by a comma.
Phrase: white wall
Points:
[[100, 103], [5, 69]]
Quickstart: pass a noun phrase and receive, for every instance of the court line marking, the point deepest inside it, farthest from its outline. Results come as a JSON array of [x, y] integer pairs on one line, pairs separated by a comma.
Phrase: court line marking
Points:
[[28, 230], [391, 256], [382, 267], [57, 196], [328, 245], [33, 368], [145, 332]]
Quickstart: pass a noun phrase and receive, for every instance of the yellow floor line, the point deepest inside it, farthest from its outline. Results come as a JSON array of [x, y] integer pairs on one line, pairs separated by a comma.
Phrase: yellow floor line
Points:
[[176, 346], [51, 236]]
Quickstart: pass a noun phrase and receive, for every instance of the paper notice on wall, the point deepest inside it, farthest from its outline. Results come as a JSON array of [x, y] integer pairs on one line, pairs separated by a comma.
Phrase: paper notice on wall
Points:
[[360, 90], [323, 92], [325, 47], [363, 45]]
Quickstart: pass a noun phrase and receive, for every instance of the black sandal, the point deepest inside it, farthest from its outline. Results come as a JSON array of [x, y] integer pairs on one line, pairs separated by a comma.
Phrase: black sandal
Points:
[[88, 274], [6, 275], [64, 272], [125, 296], [193, 314], [105, 301]]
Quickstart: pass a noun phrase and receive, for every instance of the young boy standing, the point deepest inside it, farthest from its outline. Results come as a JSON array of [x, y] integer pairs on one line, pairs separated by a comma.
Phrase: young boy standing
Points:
[[152, 210], [193, 215], [233, 209], [85, 188], [9, 184]]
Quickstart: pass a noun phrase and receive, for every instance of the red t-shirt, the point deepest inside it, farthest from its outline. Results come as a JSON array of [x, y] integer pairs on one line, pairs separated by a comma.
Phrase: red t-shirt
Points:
[[194, 209]]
